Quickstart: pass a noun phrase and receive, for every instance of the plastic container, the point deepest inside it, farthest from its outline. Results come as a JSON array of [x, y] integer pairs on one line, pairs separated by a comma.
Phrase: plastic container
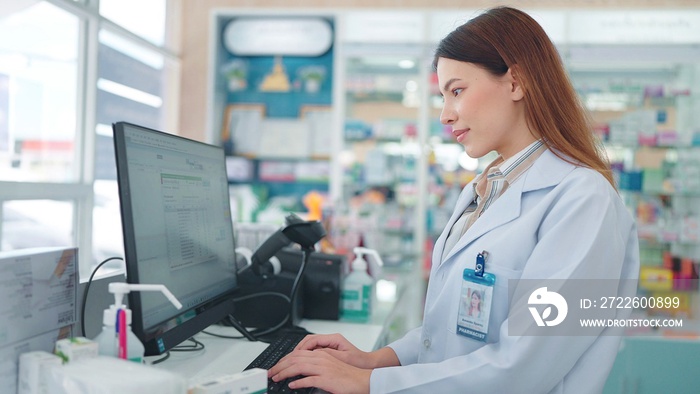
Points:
[[108, 342], [358, 288], [108, 339]]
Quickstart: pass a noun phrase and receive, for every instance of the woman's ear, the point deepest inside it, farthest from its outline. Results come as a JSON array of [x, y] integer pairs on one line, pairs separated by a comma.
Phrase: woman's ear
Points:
[[516, 88]]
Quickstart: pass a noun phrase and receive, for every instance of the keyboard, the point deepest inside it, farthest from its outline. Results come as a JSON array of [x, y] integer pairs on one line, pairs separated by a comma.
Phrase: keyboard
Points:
[[278, 348]]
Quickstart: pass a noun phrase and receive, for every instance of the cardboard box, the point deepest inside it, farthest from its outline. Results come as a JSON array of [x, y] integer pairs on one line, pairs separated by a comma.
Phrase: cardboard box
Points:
[[10, 355], [38, 287], [32, 371]]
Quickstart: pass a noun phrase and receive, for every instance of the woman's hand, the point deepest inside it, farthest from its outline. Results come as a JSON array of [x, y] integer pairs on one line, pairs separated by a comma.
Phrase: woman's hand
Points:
[[337, 346], [318, 368]]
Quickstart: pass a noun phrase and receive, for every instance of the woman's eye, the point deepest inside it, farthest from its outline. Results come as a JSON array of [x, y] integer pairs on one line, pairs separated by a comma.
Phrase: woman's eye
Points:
[[456, 91]]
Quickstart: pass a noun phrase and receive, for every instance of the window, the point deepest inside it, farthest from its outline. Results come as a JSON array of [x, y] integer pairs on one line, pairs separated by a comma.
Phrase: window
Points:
[[68, 70], [131, 86], [38, 94], [145, 18]]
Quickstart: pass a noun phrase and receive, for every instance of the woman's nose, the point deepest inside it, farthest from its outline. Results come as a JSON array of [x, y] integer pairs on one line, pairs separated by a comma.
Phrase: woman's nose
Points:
[[447, 116]]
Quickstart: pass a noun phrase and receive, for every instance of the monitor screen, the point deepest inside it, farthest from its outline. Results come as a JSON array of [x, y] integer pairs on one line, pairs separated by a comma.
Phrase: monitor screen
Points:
[[178, 232]]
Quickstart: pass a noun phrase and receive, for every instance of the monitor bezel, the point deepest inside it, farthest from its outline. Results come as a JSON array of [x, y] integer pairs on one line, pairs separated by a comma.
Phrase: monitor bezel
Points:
[[218, 308]]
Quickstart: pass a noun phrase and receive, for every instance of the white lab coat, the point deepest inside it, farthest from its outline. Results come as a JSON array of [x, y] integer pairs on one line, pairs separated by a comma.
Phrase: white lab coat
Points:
[[557, 221]]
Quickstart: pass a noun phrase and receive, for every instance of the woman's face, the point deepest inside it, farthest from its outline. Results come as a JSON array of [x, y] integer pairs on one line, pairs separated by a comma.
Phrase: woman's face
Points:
[[485, 111], [475, 300]]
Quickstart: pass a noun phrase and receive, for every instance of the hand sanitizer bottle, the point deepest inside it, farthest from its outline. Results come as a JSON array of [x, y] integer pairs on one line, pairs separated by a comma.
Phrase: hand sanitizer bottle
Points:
[[108, 339], [358, 288]]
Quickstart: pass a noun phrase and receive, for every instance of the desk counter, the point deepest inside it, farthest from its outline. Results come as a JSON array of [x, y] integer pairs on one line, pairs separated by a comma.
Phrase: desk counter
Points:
[[223, 356]]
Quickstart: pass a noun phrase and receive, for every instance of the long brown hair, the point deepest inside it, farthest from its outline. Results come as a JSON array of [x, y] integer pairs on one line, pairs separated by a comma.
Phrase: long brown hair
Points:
[[503, 38]]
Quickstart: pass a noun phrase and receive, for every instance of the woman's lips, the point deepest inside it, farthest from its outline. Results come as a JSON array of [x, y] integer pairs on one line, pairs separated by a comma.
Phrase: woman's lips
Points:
[[460, 134]]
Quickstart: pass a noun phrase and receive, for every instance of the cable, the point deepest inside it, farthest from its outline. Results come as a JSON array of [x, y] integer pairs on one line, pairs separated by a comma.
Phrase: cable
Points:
[[221, 336], [289, 317], [263, 293], [197, 346], [160, 360], [180, 348], [87, 288], [258, 332], [306, 254], [269, 330]]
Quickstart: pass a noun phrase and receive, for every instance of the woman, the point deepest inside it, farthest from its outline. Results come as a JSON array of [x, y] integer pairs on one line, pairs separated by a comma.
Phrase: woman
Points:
[[545, 209], [474, 308]]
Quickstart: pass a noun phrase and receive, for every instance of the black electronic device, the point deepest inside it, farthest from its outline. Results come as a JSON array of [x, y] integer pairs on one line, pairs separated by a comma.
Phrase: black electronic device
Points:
[[303, 233], [321, 288], [318, 298], [264, 301], [177, 232]]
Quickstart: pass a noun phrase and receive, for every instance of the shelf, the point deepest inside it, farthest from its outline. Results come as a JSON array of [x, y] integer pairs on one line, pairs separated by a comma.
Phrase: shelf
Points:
[[278, 158], [377, 140], [662, 193], [319, 182], [662, 244], [635, 147]]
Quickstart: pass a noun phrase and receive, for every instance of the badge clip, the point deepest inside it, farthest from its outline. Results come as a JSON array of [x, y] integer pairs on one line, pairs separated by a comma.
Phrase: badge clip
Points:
[[481, 263]]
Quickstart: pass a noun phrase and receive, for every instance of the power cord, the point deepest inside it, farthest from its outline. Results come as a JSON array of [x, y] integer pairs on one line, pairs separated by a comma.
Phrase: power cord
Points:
[[257, 333], [87, 288], [195, 347], [306, 254], [160, 360]]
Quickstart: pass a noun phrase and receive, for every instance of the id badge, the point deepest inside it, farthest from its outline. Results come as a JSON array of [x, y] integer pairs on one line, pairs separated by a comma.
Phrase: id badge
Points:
[[475, 304]]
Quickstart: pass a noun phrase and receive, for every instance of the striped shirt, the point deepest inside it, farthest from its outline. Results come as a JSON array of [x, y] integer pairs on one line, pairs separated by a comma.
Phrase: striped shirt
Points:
[[490, 185]]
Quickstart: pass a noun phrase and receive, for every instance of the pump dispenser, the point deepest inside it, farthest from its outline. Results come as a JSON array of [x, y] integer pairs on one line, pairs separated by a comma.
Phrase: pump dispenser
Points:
[[358, 287], [375, 263], [108, 339]]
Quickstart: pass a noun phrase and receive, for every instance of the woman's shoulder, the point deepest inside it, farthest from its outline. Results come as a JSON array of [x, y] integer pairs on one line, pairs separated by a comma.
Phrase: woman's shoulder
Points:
[[580, 174], [558, 171]]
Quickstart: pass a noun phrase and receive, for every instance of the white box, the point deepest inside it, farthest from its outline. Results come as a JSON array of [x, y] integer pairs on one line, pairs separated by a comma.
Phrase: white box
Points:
[[38, 287], [33, 371], [247, 382], [109, 375], [77, 348], [10, 354]]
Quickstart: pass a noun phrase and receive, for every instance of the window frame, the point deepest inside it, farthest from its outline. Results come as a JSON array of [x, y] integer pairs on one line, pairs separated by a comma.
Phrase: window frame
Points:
[[81, 191]]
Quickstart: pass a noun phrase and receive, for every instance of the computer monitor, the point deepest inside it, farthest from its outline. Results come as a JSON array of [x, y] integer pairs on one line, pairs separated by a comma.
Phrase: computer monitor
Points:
[[178, 232]]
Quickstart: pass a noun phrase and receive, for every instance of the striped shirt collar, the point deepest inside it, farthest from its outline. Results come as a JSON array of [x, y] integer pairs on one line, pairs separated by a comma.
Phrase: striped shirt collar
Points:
[[515, 166], [497, 180]]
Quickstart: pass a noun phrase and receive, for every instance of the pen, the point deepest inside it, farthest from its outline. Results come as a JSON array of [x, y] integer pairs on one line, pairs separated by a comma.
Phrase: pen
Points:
[[116, 333], [122, 334]]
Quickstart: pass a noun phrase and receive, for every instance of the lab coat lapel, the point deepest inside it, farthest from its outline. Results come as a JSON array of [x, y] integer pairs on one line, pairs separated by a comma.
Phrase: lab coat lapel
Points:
[[548, 170], [465, 198], [503, 210]]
